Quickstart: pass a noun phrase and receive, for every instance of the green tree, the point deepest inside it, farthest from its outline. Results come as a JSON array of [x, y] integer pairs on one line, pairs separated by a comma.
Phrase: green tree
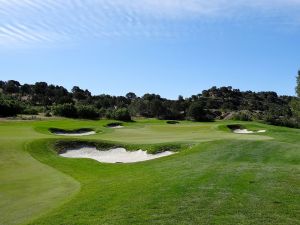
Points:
[[121, 114], [198, 113], [295, 107], [131, 96], [298, 84], [40, 97], [9, 107], [295, 102], [12, 86], [65, 110], [80, 94], [26, 89], [87, 112]]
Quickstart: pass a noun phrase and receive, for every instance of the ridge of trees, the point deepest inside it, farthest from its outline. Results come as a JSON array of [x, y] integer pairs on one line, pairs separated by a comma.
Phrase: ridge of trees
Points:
[[214, 103]]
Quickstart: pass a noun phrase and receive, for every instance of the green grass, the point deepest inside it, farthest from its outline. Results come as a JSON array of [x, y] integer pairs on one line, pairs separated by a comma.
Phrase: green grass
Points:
[[218, 177]]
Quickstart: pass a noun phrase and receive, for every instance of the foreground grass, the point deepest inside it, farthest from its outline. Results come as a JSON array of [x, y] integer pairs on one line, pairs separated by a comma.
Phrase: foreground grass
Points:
[[28, 188], [222, 178]]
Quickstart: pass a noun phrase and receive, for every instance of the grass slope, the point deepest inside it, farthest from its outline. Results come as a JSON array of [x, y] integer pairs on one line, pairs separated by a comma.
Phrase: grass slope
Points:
[[223, 178], [28, 188]]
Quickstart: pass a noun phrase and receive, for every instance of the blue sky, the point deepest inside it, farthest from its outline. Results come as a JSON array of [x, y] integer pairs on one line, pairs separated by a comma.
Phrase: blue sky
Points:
[[169, 47]]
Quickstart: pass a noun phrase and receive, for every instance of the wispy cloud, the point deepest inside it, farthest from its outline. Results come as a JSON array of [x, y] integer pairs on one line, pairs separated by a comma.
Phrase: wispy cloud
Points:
[[36, 21]]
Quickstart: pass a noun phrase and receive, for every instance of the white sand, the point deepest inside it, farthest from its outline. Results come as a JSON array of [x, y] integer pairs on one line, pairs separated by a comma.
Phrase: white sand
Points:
[[116, 127], [75, 134], [243, 131], [117, 155], [246, 131], [261, 131]]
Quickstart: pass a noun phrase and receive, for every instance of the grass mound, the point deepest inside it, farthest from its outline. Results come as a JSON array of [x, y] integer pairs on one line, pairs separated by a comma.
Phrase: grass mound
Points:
[[61, 146], [236, 127], [75, 131], [112, 125], [173, 122]]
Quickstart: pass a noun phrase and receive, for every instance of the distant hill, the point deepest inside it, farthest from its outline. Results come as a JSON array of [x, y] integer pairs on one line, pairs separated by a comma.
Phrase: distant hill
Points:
[[211, 104]]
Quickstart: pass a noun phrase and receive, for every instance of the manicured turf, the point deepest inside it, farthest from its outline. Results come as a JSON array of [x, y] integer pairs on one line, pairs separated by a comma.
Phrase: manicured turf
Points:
[[218, 178]]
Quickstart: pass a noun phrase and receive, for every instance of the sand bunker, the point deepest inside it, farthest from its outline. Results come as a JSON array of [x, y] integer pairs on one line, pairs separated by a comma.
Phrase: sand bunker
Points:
[[246, 131], [261, 131], [117, 127], [243, 131], [239, 129], [117, 155], [76, 134], [79, 132]]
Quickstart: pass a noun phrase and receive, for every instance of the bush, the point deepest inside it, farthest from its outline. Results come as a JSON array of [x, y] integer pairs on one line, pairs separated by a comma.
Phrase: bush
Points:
[[65, 110], [9, 107], [47, 113], [121, 114], [295, 107], [197, 112], [292, 122], [87, 112], [30, 111], [242, 116], [108, 114], [102, 112]]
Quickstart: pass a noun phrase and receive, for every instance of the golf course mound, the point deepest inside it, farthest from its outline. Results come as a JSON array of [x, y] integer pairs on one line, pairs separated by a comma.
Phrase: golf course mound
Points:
[[114, 125], [240, 129], [76, 132], [172, 122]]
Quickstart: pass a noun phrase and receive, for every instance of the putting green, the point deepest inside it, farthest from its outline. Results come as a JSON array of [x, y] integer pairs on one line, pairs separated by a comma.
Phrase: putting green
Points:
[[221, 178]]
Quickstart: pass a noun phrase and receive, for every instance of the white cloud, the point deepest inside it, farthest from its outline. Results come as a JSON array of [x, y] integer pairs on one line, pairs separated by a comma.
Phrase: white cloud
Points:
[[31, 21]]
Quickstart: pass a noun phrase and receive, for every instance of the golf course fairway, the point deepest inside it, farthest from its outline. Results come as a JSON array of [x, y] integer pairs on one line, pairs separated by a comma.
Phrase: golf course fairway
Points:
[[216, 176]]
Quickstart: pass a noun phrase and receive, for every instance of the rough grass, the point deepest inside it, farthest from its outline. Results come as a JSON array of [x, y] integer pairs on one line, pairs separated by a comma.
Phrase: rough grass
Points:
[[216, 178]]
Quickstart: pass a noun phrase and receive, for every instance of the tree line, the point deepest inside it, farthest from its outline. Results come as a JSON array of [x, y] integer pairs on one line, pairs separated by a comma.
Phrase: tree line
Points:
[[214, 103]]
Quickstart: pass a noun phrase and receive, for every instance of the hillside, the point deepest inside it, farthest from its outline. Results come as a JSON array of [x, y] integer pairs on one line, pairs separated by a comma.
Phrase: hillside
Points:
[[211, 104]]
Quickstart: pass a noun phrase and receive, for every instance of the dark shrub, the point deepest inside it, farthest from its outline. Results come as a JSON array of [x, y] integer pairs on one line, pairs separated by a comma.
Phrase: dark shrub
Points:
[[119, 114], [65, 110], [9, 107], [109, 114], [292, 122], [102, 112], [30, 111], [242, 116], [197, 112], [122, 114], [87, 112], [48, 113]]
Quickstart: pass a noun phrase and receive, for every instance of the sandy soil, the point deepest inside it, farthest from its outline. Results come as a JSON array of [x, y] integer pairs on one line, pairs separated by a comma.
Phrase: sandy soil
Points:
[[117, 155]]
